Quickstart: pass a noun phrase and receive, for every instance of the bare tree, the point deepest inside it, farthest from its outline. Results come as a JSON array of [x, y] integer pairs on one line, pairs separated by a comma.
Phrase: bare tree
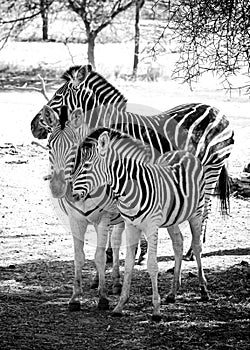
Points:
[[138, 6], [16, 14], [210, 35], [96, 15], [44, 7]]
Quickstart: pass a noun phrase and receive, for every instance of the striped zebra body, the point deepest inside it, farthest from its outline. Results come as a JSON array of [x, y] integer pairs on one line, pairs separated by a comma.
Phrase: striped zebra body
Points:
[[99, 210], [150, 194], [197, 128]]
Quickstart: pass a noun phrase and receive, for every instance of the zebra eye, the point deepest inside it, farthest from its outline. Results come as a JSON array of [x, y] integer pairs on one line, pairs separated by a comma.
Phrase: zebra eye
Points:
[[48, 147]]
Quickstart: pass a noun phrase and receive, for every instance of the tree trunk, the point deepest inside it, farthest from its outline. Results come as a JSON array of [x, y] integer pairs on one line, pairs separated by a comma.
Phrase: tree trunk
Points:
[[138, 6], [91, 49], [44, 15]]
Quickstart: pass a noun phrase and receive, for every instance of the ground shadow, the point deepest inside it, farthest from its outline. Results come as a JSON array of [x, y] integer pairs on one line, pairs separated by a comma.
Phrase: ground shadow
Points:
[[34, 313]]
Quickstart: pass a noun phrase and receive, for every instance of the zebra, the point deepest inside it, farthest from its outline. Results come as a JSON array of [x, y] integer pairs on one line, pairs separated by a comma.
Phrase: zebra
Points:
[[195, 127], [149, 194], [99, 210]]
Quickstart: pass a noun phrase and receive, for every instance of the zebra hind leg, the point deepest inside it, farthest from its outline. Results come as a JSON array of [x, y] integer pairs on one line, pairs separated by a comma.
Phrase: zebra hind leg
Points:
[[109, 251], [196, 228], [177, 242], [189, 256], [144, 249]]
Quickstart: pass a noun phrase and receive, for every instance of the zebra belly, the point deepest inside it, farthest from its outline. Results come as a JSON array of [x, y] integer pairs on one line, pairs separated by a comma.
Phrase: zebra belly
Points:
[[165, 214], [89, 211]]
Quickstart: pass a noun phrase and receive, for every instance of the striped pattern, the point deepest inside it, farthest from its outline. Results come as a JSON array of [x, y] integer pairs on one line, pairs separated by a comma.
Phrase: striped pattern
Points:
[[150, 194], [143, 185], [99, 210], [198, 128]]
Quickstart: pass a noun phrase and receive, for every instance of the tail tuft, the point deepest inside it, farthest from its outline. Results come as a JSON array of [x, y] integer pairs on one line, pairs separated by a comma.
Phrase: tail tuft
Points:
[[223, 191]]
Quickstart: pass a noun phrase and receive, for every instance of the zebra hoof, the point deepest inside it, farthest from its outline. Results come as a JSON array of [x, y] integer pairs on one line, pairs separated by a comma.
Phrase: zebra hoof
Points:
[[74, 306], [169, 299], [156, 318], [103, 304], [116, 290], [94, 285]]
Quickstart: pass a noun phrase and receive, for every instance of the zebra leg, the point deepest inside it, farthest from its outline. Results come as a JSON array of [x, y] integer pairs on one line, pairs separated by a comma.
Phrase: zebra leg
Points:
[[109, 251], [132, 237], [196, 224], [152, 267], [177, 242], [116, 239], [100, 260], [144, 249], [78, 229], [189, 256]]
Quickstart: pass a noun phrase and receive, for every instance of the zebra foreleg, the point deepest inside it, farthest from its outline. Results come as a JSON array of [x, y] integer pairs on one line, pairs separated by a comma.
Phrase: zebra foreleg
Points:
[[116, 239], [152, 267], [195, 224], [100, 261], [177, 242], [78, 231], [132, 238]]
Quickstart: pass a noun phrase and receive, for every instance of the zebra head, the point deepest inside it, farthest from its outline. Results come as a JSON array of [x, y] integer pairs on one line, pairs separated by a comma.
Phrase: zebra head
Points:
[[72, 93], [82, 88], [105, 158], [62, 144], [90, 171]]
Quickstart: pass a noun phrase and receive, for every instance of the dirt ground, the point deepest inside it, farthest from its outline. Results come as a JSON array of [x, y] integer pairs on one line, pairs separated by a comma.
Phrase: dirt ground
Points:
[[36, 265]]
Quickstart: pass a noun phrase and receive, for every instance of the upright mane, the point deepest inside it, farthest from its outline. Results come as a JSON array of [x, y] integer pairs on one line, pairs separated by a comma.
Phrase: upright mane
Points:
[[104, 91], [70, 74]]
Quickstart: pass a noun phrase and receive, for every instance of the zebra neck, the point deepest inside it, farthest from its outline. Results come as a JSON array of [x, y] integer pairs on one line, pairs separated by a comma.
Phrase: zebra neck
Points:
[[105, 115]]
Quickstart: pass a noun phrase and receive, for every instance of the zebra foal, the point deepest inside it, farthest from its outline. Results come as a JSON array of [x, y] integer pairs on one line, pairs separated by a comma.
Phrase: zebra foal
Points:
[[149, 193], [99, 210]]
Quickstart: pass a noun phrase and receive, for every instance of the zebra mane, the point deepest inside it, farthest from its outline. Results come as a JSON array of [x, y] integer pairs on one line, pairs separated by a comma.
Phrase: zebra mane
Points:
[[107, 94], [142, 152], [63, 117], [70, 73]]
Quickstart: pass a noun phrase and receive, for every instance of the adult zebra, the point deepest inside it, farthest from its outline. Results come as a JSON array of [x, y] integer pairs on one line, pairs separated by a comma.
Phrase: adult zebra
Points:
[[198, 128], [99, 210], [150, 194]]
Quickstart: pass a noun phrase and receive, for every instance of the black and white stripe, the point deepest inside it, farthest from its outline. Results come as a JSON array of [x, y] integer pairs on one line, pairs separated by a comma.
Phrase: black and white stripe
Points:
[[150, 194], [99, 210], [198, 128]]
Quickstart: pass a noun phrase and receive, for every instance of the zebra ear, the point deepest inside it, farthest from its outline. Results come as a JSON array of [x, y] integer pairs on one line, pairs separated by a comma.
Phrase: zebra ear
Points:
[[103, 143], [83, 72], [76, 118], [49, 116]]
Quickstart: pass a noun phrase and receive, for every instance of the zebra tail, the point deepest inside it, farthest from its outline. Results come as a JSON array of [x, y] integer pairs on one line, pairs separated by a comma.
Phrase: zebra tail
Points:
[[223, 191]]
